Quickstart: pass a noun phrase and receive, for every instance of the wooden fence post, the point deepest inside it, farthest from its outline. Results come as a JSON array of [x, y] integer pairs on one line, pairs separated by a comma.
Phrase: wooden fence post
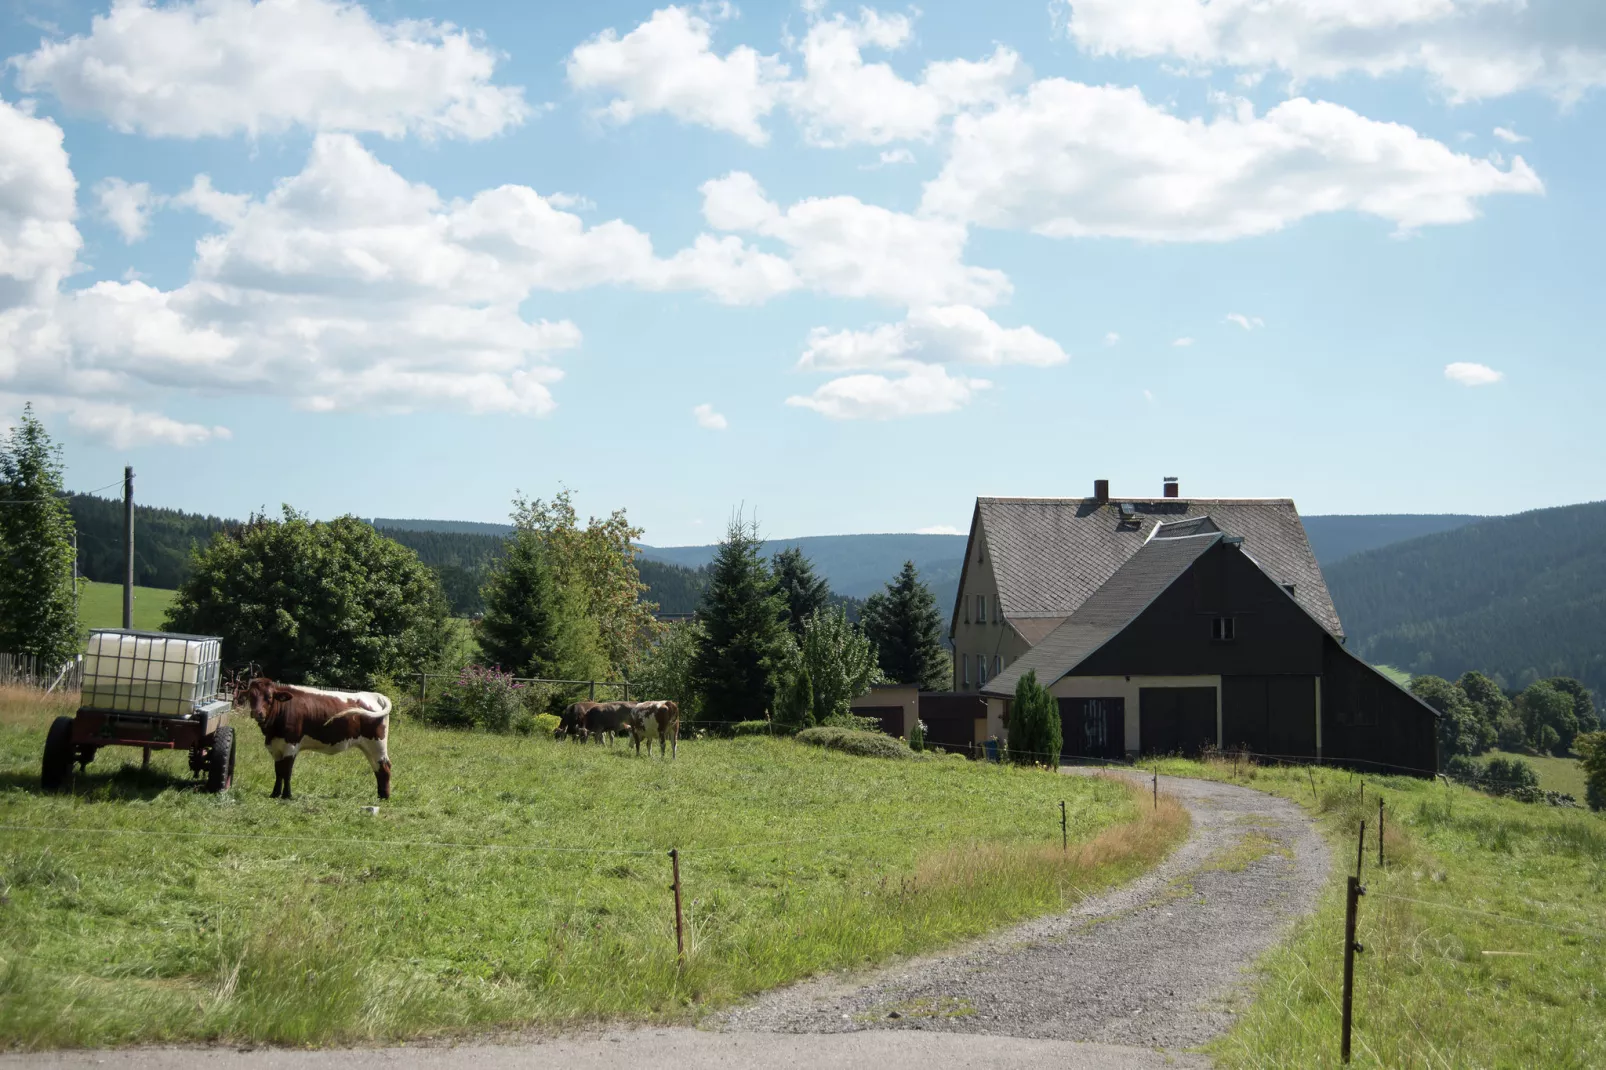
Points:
[[1355, 891], [680, 930], [1157, 787], [1360, 850], [1065, 833], [1380, 832]]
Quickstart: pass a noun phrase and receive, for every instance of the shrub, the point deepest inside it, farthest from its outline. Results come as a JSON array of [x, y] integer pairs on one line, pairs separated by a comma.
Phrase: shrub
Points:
[[1550, 740], [480, 698], [1461, 767], [854, 723], [1034, 725], [753, 728], [917, 737], [1592, 746], [864, 744], [1510, 775], [545, 724]]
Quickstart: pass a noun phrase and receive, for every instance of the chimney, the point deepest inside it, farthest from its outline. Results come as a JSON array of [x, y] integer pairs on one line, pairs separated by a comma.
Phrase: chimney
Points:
[[1171, 488], [1101, 490]]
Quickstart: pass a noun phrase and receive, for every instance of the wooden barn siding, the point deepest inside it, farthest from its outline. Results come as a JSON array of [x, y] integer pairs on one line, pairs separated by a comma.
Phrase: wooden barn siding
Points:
[[1404, 735], [1172, 636]]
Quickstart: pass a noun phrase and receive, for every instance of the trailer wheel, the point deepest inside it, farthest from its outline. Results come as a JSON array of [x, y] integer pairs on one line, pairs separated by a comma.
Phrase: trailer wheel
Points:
[[220, 761], [56, 772]]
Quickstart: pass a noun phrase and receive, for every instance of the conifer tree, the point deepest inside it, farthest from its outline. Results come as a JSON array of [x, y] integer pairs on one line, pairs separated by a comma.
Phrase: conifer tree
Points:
[[1035, 733], [532, 626], [744, 644], [805, 593], [38, 608], [906, 628]]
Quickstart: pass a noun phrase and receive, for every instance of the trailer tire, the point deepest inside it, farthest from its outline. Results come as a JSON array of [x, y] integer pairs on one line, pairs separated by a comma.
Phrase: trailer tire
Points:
[[220, 761], [56, 772]]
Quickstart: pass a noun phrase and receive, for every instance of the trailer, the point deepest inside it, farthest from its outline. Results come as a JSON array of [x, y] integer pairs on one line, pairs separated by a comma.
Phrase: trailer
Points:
[[152, 690]]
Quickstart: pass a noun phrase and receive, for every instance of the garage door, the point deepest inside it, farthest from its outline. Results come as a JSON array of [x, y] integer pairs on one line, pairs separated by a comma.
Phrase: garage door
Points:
[[1093, 727], [1176, 720], [1270, 714]]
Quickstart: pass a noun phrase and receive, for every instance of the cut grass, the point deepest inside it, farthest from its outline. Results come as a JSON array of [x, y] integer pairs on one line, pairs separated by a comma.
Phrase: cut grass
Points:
[[1555, 774], [100, 605], [148, 912], [1443, 981]]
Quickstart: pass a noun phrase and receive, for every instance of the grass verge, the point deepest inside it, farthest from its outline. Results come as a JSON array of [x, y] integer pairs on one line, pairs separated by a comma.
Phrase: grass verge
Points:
[[1483, 936], [100, 605], [148, 912]]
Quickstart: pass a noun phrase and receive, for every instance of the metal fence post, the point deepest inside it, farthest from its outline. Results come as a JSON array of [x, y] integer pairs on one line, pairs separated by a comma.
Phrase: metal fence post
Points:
[[680, 931], [1355, 891]]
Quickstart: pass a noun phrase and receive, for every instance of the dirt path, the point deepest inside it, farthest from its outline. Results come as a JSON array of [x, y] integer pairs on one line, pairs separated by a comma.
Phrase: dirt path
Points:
[[1161, 963], [1130, 979]]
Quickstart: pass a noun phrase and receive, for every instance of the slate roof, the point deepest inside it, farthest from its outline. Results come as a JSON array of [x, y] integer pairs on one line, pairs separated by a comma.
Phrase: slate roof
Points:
[[1138, 582], [1050, 554]]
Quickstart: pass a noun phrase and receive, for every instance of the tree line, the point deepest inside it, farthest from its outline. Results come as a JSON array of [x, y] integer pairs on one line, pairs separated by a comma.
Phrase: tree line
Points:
[[1477, 715]]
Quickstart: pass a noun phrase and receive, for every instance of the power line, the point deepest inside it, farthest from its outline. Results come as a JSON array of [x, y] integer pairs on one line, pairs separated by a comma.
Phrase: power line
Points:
[[63, 496]]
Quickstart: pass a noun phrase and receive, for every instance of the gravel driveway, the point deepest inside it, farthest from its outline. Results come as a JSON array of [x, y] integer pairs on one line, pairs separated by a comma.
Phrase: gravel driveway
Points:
[[1128, 980], [1158, 964]]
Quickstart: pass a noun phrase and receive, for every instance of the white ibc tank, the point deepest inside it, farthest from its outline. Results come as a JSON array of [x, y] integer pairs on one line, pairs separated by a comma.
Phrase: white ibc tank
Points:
[[148, 672]]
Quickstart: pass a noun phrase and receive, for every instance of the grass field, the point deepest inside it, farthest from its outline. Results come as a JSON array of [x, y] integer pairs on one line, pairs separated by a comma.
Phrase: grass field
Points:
[[100, 605], [1555, 774], [1399, 676], [138, 910], [1483, 933]]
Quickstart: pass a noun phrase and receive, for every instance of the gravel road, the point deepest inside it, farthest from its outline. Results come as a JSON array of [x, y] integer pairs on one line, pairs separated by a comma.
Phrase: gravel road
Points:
[[1158, 964], [1131, 979]]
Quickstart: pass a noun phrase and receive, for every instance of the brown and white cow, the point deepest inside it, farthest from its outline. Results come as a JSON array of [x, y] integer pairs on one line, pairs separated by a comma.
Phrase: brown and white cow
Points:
[[656, 720], [572, 721], [610, 719], [294, 718]]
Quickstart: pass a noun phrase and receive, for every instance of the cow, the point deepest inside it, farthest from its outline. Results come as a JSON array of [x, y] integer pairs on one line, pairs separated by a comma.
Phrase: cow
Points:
[[608, 718], [656, 720], [328, 722], [572, 721]]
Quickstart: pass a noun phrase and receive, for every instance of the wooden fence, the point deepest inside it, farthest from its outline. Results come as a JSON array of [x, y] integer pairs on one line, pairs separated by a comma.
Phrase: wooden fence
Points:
[[24, 670]]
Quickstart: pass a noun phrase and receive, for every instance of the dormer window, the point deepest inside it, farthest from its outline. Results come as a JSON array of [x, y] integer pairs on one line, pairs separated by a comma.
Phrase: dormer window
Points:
[[1289, 588], [1223, 629]]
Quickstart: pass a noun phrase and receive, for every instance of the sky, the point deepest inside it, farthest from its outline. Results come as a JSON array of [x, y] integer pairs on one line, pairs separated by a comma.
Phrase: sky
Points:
[[841, 268]]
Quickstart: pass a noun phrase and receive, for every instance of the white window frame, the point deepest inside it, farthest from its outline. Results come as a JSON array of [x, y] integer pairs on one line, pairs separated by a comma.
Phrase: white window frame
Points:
[[981, 670], [964, 669], [981, 609], [1223, 629]]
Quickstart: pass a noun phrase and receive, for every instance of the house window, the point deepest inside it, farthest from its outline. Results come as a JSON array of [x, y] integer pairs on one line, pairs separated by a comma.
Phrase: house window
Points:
[[998, 664], [967, 611], [981, 609], [981, 670], [1223, 629], [1289, 588], [964, 669]]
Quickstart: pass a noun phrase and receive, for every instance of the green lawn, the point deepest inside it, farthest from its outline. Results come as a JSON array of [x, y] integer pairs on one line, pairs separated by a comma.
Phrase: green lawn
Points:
[[1483, 936], [138, 910], [100, 605], [1555, 774]]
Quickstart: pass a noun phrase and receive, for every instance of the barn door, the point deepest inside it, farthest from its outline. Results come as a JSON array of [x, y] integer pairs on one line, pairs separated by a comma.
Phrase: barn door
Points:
[[1093, 727], [1176, 720]]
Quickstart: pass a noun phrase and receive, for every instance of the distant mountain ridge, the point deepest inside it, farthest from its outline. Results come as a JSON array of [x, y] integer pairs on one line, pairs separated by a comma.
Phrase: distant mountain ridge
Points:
[[1335, 537], [1521, 597]]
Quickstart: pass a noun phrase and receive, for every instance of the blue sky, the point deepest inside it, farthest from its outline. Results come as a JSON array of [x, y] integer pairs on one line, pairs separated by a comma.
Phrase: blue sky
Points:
[[844, 267]]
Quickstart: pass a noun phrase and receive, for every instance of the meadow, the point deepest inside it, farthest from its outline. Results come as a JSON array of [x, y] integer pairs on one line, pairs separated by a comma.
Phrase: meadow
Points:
[[1482, 931], [1565, 775], [510, 883], [100, 605]]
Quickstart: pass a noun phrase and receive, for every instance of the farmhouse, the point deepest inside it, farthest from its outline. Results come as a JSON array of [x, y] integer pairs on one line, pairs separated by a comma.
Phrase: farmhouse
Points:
[[1164, 625]]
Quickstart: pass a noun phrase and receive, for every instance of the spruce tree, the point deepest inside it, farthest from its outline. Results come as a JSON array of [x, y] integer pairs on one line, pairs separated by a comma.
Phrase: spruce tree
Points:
[[805, 593], [745, 644], [906, 628], [38, 607], [521, 628], [1035, 734]]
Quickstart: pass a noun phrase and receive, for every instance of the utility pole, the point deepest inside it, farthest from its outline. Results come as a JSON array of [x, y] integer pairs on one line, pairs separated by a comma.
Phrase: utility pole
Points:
[[128, 546]]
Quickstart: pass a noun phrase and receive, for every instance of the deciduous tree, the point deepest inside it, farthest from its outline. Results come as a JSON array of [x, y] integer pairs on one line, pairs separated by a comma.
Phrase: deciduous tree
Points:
[[1459, 726], [833, 665], [903, 623], [1592, 748], [328, 602], [38, 610], [664, 670]]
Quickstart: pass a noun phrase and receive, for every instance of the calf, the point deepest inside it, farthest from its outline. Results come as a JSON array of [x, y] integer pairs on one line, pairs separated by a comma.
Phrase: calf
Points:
[[572, 721], [610, 718], [328, 722], [656, 720]]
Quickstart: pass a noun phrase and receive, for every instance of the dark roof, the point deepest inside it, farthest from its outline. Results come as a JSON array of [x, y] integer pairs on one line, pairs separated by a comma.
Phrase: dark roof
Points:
[[1139, 581], [1050, 554]]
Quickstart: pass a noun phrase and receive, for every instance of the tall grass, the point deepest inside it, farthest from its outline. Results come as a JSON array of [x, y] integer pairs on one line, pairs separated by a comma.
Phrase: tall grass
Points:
[[139, 910], [1483, 931]]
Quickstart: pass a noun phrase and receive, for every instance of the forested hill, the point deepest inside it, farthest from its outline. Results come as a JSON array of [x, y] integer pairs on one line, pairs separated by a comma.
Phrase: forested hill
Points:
[[1333, 538], [1522, 597], [163, 539], [855, 565], [451, 527]]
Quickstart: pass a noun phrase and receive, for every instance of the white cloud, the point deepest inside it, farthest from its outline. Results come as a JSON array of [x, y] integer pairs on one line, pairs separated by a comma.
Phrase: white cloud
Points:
[[1148, 396], [1110, 338], [896, 156], [940, 529], [667, 65], [708, 419], [127, 205], [1066, 159], [1248, 323], [1469, 374], [1509, 136], [38, 242], [222, 67], [118, 425], [844, 247], [842, 100], [1182, 342], [1472, 49], [924, 390], [953, 334]]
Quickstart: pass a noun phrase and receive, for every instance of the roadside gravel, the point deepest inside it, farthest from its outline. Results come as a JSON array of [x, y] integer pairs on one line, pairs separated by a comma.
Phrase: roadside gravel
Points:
[[1160, 964]]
